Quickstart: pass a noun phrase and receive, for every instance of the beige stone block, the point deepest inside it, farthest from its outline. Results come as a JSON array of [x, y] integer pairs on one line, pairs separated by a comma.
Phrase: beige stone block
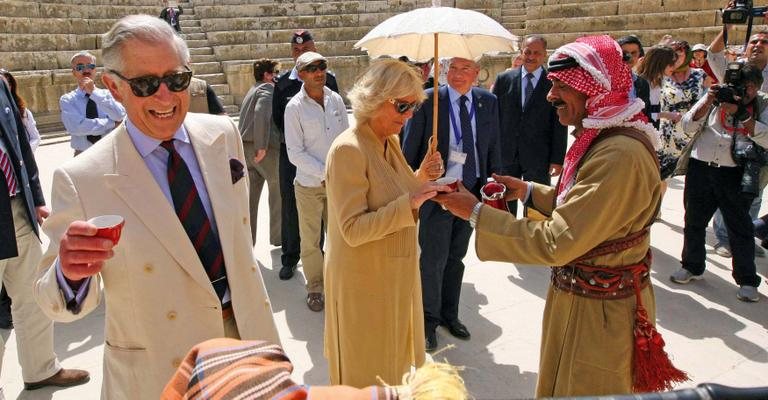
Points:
[[686, 5], [19, 9]]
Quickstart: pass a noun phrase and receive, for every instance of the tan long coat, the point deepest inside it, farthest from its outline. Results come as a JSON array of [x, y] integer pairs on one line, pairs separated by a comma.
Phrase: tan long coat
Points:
[[586, 344], [373, 317], [159, 300]]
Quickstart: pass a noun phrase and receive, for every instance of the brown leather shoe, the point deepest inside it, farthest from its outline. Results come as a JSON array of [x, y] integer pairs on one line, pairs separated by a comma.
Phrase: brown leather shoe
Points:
[[315, 302], [63, 378]]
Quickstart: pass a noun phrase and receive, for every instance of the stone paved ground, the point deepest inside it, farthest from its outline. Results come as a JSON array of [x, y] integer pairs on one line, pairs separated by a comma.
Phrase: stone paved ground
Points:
[[710, 334]]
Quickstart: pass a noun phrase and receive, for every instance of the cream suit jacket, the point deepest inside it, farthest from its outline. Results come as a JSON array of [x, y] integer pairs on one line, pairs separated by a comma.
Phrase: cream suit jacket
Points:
[[159, 300]]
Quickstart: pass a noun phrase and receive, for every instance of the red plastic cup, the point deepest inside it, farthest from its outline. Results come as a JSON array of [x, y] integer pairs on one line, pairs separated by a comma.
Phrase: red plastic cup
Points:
[[493, 194], [110, 226], [452, 183]]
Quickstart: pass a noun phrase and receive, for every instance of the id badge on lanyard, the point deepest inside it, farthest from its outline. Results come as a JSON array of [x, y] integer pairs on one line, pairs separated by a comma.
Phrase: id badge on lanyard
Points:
[[457, 154]]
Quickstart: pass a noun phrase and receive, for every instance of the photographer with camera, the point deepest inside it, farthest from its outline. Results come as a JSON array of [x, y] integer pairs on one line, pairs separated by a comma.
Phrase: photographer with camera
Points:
[[722, 164], [756, 51]]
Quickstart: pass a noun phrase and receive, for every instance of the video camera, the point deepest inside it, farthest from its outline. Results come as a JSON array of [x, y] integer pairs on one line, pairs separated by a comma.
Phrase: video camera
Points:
[[733, 84], [741, 12]]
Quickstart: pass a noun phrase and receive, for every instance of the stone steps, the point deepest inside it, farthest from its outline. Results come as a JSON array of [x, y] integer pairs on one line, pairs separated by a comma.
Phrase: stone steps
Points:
[[283, 36], [152, 3], [206, 67], [624, 8], [201, 58], [220, 89], [193, 36], [278, 50], [273, 9], [32, 25], [13, 8], [639, 22], [648, 37], [15, 42]]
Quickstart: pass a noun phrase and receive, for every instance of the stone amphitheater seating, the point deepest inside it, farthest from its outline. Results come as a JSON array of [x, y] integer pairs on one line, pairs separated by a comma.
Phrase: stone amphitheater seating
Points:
[[37, 38]]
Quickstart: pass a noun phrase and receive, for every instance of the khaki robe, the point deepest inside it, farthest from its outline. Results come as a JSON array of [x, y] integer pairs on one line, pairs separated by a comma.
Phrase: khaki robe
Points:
[[586, 344], [374, 324]]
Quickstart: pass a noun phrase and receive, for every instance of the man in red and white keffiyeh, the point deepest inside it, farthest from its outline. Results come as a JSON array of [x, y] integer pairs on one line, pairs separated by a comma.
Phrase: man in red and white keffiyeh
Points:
[[598, 328], [593, 66]]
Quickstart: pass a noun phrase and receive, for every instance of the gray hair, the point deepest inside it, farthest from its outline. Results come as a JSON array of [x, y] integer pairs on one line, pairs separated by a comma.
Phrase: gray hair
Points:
[[84, 53], [535, 38], [382, 81], [143, 28]]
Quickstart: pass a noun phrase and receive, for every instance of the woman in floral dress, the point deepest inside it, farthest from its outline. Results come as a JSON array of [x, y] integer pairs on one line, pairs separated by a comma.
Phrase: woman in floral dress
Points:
[[679, 93]]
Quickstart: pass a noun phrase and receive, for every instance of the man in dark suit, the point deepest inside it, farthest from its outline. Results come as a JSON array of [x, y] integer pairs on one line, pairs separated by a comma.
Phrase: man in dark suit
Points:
[[288, 84], [532, 139], [633, 51], [22, 208], [468, 141]]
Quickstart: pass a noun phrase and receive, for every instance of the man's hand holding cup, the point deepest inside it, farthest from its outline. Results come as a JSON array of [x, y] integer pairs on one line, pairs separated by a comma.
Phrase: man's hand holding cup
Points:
[[87, 244]]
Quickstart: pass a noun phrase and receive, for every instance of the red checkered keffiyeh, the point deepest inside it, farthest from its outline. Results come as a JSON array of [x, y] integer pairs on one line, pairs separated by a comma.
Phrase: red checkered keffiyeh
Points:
[[604, 77]]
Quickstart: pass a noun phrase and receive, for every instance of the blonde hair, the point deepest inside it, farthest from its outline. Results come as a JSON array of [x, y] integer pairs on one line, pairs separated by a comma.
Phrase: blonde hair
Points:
[[382, 81]]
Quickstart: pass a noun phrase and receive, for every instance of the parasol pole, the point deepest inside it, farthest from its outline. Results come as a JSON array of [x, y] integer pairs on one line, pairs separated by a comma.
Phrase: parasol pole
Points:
[[436, 84]]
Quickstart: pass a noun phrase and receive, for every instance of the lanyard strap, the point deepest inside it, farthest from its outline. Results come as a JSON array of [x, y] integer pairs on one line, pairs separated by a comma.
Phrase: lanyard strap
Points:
[[453, 122], [733, 129]]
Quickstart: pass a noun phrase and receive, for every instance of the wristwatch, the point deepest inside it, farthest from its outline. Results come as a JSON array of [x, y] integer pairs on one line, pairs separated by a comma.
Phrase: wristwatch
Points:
[[475, 214]]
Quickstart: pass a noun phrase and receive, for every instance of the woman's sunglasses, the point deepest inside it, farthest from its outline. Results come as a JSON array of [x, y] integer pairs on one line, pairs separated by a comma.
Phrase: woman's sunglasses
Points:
[[145, 86], [312, 68], [403, 107]]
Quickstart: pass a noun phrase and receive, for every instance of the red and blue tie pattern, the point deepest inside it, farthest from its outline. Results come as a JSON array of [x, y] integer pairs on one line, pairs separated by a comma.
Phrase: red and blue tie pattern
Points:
[[189, 209], [7, 168]]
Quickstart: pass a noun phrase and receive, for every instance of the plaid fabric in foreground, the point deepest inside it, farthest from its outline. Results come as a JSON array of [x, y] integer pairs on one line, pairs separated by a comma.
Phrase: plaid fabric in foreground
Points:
[[230, 369], [220, 369]]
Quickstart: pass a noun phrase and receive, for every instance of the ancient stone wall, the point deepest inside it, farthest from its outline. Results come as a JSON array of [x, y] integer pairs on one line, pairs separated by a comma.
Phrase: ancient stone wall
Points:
[[37, 38]]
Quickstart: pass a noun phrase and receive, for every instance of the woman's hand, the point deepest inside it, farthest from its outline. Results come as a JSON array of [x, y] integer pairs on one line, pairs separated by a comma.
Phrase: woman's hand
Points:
[[459, 203], [516, 188], [431, 167], [425, 192]]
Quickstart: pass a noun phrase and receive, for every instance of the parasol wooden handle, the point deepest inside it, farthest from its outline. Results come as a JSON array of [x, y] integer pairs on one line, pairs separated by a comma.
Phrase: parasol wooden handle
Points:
[[435, 87]]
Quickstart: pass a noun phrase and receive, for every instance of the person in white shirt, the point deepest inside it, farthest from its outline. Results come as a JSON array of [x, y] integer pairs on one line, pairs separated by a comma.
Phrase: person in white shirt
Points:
[[314, 117]]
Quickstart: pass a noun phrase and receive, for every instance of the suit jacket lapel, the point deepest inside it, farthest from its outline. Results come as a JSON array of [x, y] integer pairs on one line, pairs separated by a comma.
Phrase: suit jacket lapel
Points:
[[133, 182], [481, 118], [443, 129], [213, 159], [517, 88]]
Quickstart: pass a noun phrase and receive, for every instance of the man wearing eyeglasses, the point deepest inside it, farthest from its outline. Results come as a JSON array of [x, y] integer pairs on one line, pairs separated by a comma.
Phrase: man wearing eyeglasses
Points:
[[313, 118], [287, 85], [183, 270], [468, 140], [88, 113]]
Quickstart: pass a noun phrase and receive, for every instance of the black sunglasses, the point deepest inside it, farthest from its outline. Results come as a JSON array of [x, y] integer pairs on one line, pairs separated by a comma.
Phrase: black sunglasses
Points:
[[311, 68], [83, 67], [403, 107], [145, 86]]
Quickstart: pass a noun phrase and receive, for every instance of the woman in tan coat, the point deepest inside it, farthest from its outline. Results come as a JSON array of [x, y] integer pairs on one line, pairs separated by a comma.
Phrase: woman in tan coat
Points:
[[374, 321]]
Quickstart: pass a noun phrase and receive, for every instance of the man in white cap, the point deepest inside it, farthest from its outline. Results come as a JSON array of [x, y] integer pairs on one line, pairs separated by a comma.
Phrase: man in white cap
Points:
[[313, 118]]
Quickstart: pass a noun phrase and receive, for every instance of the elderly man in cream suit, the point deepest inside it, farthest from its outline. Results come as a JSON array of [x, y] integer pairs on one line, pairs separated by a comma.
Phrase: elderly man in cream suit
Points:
[[164, 291]]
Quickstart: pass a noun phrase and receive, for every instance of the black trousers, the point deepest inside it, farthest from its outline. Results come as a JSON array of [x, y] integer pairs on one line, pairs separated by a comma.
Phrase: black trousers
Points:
[[444, 240], [291, 242], [539, 174], [708, 188]]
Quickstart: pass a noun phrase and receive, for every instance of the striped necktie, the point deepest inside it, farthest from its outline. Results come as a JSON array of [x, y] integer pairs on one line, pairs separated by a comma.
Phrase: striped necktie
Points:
[[469, 174], [189, 209], [7, 167], [528, 88]]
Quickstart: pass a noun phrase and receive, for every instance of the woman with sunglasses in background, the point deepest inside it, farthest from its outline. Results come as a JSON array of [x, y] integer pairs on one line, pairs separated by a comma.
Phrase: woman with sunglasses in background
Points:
[[374, 323], [26, 115]]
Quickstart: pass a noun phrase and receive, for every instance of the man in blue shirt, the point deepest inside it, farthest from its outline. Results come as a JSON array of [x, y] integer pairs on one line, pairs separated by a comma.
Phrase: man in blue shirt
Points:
[[88, 113]]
